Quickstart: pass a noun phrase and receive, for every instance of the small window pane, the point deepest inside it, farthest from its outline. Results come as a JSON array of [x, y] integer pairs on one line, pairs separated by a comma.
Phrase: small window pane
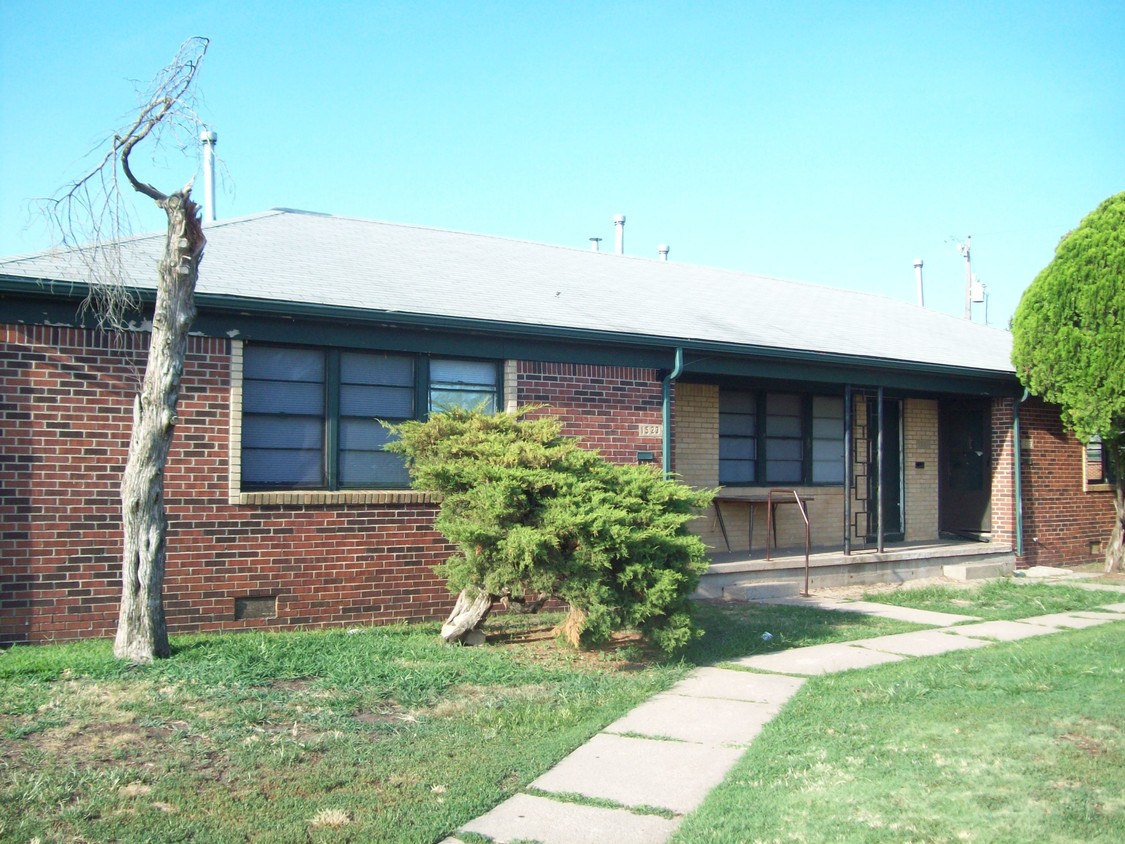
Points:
[[828, 472], [742, 424], [828, 407], [363, 434], [828, 429], [389, 370], [736, 471], [302, 467], [281, 364], [373, 468], [442, 399], [783, 471], [783, 404], [784, 449], [377, 402], [475, 372], [737, 448], [783, 426], [737, 401], [283, 397], [824, 450], [299, 432]]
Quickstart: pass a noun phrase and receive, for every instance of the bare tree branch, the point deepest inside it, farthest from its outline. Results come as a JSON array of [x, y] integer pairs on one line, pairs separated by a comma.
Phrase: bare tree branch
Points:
[[92, 214]]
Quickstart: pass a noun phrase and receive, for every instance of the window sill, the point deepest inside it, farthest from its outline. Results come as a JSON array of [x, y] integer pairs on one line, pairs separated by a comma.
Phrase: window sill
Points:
[[343, 496], [1099, 486]]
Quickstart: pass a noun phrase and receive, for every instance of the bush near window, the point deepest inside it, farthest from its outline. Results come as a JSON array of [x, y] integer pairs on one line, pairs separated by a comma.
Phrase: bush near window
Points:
[[535, 514]]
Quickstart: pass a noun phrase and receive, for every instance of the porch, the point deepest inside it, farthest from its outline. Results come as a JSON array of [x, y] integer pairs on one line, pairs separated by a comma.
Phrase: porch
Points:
[[739, 575]]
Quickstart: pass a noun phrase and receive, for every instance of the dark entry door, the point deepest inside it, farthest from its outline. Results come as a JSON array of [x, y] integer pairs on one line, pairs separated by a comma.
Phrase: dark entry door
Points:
[[892, 471], [965, 454]]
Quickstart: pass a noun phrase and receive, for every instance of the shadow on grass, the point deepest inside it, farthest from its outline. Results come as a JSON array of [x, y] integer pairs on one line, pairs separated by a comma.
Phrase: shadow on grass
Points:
[[736, 630]]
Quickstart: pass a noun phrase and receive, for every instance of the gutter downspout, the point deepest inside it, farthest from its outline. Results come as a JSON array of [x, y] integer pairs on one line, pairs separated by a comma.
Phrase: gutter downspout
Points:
[[666, 411], [1019, 473]]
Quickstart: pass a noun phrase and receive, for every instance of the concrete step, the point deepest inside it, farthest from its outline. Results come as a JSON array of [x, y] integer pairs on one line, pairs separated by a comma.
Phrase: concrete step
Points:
[[762, 591], [979, 571]]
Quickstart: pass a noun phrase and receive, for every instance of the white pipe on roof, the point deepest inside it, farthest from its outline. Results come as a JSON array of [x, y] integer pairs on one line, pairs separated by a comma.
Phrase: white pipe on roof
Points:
[[209, 139]]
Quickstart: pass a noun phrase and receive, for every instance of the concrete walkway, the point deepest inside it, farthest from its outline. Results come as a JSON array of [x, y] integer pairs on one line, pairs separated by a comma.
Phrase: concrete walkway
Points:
[[666, 755]]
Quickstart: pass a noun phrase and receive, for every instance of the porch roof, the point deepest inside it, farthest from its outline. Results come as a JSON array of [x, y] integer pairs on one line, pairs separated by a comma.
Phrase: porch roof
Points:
[[324, 264]]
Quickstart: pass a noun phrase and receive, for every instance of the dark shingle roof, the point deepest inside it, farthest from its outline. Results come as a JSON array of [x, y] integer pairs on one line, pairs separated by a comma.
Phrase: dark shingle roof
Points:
[[323, 260]]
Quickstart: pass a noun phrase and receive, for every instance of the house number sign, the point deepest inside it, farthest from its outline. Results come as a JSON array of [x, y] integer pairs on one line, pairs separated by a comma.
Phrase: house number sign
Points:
[[650, 430]]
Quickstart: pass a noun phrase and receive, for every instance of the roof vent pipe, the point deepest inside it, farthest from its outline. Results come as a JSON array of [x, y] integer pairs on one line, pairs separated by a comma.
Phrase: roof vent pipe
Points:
[[596, 244], [918, 279], [209, 139], [662, 249], [619, 225]]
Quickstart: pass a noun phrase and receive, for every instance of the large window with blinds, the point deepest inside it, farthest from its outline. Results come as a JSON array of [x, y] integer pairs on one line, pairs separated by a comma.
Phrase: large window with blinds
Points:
[[780, 438], [312, 418]]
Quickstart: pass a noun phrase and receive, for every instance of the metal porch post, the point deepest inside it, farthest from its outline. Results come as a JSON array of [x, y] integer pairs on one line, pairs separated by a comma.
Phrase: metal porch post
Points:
[[849, 469], [879, 469]]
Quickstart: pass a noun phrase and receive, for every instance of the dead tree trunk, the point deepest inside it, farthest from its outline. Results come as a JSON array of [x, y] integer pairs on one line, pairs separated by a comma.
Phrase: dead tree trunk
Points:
[[468, 614], [142, 633], [1115, 551]]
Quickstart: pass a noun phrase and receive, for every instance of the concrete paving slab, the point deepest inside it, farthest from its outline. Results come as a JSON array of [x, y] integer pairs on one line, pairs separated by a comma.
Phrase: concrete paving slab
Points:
[[1001, 631], [922, 643], [712, 721], [1069, 620], [978, 571], [527, 818], [1115, 607], [818, 659], [1100, 612], [738, 685], [1100, 587], [1046, 571], [813, 601], [937, 619], [671, 775]]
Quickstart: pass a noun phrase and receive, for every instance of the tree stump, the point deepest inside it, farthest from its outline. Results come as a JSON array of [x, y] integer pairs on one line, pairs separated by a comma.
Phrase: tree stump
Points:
[[470, 611]]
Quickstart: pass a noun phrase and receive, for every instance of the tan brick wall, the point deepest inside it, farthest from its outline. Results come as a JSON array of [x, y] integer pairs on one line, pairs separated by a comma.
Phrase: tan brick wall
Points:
[[696, 423], [696, 460], [920, 485]]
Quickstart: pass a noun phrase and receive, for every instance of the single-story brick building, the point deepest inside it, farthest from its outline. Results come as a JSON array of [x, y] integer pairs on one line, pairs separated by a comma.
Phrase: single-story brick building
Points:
[[285, 510]]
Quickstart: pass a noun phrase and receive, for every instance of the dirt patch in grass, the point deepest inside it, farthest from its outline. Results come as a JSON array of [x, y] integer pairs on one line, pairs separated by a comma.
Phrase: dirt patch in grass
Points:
[[1088, 745], [93, 742]]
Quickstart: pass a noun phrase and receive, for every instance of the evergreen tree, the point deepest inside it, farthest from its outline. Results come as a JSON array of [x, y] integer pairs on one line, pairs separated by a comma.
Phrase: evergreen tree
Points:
[[535, 515], [1069, 341]]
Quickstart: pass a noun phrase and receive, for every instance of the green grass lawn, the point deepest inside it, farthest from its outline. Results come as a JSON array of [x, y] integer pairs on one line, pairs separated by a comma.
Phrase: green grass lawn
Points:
[[995, 600], [386, 734], [1012, 743], [376, 734]]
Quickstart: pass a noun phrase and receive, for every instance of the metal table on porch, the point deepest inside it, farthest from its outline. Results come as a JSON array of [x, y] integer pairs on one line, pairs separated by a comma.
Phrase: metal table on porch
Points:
[[771, 499]]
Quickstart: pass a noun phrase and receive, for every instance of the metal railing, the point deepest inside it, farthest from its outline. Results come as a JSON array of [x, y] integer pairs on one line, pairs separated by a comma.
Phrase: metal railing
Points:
[[771, 531]]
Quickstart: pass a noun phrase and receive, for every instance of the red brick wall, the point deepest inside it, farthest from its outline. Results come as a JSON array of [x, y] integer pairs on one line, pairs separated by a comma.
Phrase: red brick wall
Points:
[[603, 405], [1062, 523], [65, 412]]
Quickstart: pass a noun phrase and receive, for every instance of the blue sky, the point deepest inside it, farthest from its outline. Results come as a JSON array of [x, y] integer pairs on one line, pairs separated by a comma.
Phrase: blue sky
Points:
[[824, 142]]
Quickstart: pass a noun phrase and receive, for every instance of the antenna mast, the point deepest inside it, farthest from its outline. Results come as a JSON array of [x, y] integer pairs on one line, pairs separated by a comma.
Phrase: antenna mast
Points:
[[965, 249]]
